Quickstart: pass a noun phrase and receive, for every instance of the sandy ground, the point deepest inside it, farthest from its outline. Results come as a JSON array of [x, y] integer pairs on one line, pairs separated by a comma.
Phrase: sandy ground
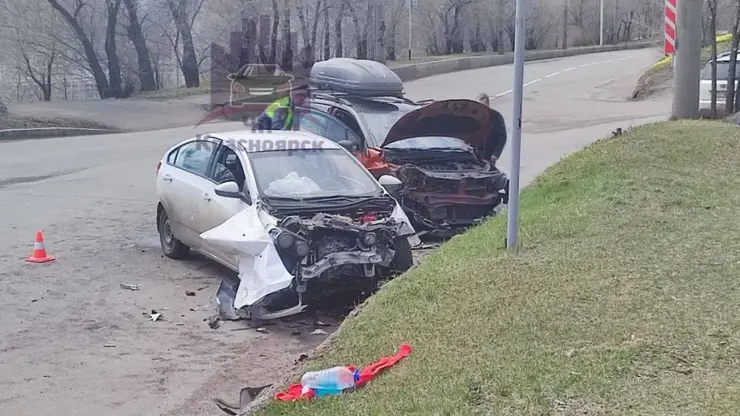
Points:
[[72, 342]]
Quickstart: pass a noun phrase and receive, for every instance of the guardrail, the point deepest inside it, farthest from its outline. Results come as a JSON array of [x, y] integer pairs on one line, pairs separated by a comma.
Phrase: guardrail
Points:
[[427, 69]]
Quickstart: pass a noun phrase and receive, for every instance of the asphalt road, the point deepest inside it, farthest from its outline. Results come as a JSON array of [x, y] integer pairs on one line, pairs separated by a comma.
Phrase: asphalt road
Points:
[[72, 342]]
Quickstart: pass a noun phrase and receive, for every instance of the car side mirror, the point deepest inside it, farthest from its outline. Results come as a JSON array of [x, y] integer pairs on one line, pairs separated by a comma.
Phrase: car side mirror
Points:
[[231, 190], [391, 184]]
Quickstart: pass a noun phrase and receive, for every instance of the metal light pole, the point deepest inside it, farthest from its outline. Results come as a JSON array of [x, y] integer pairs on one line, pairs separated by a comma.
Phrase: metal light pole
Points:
[[512, 229], [601, 22]]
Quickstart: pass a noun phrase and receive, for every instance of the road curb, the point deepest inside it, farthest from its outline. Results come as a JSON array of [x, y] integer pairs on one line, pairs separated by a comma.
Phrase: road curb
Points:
[[50, 132], [427, 69]]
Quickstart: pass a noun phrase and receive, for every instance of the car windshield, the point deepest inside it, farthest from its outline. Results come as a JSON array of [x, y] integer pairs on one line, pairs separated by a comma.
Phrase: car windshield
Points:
[[430, 143], [311, 173], [378, 117]]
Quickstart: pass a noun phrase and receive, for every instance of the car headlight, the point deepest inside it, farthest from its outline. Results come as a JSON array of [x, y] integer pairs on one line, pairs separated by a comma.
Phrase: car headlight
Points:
[[282, 238], [301, 248], [369, 239]]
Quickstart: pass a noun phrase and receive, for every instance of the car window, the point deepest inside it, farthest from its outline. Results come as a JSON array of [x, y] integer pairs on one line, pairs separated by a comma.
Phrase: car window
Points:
[[723, 69], [228, 168], [325, 125], [194, 157]]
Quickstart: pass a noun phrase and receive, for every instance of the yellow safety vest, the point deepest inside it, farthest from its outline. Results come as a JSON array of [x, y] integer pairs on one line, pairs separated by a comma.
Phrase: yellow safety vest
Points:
[[281, 103]]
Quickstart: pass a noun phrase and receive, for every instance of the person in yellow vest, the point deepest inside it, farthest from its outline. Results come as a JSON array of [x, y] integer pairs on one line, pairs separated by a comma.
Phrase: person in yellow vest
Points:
[[279, 114]]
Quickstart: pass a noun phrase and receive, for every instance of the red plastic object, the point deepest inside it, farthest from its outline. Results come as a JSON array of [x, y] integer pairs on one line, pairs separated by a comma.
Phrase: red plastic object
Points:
[[294, 392]]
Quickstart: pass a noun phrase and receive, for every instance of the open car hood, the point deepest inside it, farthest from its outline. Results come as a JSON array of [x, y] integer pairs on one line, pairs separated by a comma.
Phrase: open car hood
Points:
[[478, 125]]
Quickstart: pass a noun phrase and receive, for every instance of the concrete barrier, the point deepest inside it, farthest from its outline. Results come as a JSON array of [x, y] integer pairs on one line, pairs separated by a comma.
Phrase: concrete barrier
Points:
[[444, 66]]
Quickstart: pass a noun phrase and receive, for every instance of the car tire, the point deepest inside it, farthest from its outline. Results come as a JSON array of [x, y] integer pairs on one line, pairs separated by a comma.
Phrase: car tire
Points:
[[403, 260], [171, 246]]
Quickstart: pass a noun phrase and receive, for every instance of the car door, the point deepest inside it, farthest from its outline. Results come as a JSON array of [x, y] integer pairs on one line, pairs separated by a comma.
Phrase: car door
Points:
[[215, 210], [185, 180]]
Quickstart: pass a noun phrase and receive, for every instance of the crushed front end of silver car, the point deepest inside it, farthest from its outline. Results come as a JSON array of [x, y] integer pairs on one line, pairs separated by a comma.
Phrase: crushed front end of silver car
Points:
[[309, 255]]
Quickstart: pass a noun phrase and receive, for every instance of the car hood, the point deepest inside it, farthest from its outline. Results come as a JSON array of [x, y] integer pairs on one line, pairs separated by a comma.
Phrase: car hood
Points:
[[476, 124]]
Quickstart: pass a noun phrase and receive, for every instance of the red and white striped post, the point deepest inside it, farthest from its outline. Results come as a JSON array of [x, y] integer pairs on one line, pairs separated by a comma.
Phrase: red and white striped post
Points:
[[670, 27]]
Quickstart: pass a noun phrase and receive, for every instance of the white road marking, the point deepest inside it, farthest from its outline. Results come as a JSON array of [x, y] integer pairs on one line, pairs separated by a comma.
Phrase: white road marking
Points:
[[560, 72]]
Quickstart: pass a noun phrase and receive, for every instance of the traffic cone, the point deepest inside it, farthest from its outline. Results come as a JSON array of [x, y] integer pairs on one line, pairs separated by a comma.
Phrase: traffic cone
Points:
[[39, 252]]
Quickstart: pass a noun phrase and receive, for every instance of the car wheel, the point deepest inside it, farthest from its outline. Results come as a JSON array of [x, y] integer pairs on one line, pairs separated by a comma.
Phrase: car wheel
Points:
[[404, 257], [171, 246]]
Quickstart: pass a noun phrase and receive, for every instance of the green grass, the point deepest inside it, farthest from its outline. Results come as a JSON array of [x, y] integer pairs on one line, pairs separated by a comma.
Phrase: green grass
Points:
[[14, 121], [623, 297]]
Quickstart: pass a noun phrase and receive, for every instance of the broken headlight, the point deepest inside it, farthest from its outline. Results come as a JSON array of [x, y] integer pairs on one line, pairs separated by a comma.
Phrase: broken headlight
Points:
[[282, 238], [369, 239], [288, 241]]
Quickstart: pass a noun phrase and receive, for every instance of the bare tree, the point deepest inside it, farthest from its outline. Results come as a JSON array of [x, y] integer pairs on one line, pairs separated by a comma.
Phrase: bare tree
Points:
[[184, 20], [712, 8], [135, 33], [106, 88], [731, 100], [41, 77]]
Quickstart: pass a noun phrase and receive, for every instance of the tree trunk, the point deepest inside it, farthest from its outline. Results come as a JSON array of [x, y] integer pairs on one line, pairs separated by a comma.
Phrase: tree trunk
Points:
[[327, 37], [274, 34], [564, 28], [338, 45], [713, 28], [189, 61], [115, 82], [101, 80], [287, 58], [501, 26], [136, 34], [732, 67], [357, 38]]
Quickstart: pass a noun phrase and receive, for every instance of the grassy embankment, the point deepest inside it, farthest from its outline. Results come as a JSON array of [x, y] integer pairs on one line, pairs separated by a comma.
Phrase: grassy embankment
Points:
[[623, 297], [656, 78]]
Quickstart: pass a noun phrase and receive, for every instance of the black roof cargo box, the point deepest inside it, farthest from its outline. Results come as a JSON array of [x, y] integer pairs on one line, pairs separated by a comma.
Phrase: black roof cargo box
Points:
[[358, 77]]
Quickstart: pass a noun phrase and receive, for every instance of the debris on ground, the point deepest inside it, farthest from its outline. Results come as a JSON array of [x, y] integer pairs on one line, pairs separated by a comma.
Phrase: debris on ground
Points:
[[319, 332], [154, 315], [319, 323], [109, 345], [261, 330], [189, 293], [130, 286], [323, 383], [246, 395], [214, 322]]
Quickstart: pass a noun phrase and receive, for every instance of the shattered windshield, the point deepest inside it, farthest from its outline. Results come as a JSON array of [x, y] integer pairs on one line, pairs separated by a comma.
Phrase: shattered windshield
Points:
[[311, 173]]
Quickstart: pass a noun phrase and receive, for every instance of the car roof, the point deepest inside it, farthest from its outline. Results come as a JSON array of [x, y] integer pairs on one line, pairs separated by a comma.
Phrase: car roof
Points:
[[256, 141], [725, 56]]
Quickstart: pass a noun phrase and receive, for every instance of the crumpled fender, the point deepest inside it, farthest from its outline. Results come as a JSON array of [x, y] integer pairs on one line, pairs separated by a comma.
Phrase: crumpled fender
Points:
[[261, 271]]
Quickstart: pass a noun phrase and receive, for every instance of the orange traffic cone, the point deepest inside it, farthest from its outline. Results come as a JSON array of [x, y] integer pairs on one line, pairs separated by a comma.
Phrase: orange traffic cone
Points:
[[39, 252]]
